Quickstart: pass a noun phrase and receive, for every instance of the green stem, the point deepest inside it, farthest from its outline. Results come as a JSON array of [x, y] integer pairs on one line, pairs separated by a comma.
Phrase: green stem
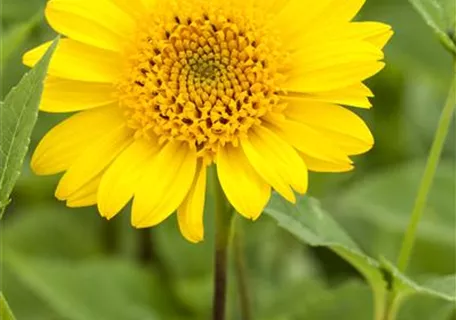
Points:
[[408, 242], [241, 276], [428, 177], [393, 307], [223, 215], [379, 303]]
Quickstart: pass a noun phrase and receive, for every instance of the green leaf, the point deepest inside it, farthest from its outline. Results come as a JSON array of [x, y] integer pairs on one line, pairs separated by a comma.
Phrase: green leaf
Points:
[[90, 290], [444, 286], [424, 307], [309, 223], [5, 311], [18, 114], [441, 17], [439, 287], [312, 225], [346, 301], [380, 222]]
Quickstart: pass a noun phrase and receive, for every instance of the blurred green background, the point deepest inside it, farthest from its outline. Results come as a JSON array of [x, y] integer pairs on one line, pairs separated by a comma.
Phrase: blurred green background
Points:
[[71, 264]]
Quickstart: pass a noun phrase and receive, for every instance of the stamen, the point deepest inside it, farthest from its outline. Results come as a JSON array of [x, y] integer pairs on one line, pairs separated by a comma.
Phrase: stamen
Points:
[[206, 82]]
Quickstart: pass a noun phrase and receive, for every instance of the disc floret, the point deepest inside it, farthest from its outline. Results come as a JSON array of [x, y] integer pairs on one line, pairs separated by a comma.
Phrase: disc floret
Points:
[[204, 80]]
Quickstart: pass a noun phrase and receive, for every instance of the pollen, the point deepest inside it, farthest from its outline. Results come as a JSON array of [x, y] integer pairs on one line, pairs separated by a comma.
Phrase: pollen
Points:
[[205, 79]]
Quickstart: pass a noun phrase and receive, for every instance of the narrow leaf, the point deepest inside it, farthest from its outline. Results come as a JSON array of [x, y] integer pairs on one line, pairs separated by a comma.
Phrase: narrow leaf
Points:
[[5, 311], [18, 114]]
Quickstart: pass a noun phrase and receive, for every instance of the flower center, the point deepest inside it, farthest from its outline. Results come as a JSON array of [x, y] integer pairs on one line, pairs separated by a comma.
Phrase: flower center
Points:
[[205, 80]]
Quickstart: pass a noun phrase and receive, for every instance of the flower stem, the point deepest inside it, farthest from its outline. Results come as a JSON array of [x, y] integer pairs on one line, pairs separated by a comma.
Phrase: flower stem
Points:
[[223, 215], [244, 297], [428, 177]]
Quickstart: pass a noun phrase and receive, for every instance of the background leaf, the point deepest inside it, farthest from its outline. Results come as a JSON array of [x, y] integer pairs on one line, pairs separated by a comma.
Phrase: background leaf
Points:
[[100, 289], [73, 278], [16, 36], [47, 225], [18, 115], [5, 311], [375, 211], [307, 221]]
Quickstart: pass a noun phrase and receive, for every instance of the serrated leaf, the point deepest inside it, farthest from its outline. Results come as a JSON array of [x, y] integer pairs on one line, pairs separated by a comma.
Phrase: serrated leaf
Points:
[[309, 223], [439, 287], [94, 289], [18, 114], [441, 17], [5, 311]]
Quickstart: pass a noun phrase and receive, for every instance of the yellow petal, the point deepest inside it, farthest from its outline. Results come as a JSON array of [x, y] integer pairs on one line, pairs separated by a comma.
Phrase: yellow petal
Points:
[[354, 95], [135, 8], [64, 143], [93, 160], [325, 66], [77, 61], [86, 195], [244, 188], [337, 123], [190, 212], [304, 11], [276, 162], [311, 141], [99, 23], [333, 77], [164, 186], [119, 182], [315, 18], [61, 95], [319, 165], [376, 33], [338, 12], [332, 53]]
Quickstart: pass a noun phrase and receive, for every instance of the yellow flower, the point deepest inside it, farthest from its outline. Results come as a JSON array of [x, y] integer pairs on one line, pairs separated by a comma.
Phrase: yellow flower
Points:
[[164, 88]]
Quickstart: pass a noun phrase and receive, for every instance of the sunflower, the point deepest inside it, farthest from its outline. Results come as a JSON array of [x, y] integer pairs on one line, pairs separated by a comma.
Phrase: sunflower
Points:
[[164, 88]]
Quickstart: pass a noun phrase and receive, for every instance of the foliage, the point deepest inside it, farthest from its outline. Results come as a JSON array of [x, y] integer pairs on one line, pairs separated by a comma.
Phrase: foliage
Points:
[[18, 114]]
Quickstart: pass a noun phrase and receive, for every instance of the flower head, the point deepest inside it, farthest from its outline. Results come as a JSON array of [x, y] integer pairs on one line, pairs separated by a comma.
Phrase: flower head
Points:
[[164, 88]]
